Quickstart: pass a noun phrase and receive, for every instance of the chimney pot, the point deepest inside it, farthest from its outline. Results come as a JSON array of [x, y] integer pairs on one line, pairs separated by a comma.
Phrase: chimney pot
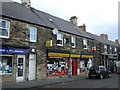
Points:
[[73, 20], [26, 3], [117, 41], [105, 36], [83, 27]]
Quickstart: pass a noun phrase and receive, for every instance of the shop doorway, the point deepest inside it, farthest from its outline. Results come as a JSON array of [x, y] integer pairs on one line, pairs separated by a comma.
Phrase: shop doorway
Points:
[[32, 67], [20, 68], [74, 67]]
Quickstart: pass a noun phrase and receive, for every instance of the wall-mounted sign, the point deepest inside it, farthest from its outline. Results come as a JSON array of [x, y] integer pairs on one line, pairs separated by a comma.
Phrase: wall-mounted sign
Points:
[[93, 48], [48, 43], [11, 50]]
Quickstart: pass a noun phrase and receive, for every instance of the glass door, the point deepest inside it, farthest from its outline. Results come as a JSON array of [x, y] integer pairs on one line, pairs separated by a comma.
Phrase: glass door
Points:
[[20, 68]]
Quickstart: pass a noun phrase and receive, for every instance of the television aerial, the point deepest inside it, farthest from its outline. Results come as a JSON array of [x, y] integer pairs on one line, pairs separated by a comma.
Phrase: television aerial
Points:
[[55, 31]]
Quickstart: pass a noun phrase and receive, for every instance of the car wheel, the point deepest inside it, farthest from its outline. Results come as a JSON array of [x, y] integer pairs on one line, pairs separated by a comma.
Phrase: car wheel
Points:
[[109, 75], [101, 76]]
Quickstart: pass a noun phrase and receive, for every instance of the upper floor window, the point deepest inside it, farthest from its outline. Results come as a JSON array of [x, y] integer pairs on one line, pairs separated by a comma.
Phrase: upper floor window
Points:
[[110, 50], [59, 39], [84, 43], [4, 28], [105, 48], [73, 41], [33, 34], [115, 50]]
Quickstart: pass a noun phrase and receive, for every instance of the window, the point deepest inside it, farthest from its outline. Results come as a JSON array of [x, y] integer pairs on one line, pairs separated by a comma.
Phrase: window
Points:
[[84, 44], [33, 34], [59, 39], [5, 65], [73, 41], [4, 28], [105, 48], [115, 50], [110, 50]]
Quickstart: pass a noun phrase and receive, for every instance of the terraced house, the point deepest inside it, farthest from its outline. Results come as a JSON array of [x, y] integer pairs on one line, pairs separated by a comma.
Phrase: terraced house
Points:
[[37, 45], [106, 51]]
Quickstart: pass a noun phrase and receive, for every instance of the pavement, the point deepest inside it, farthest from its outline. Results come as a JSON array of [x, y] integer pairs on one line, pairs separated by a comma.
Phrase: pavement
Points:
[[41, 83]]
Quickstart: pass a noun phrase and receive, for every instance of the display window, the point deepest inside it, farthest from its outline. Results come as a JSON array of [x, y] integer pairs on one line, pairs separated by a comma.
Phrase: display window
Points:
[[6, 64], [56, 67]]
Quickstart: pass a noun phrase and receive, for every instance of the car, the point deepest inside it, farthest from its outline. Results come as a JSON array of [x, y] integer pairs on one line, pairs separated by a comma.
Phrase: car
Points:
[[99, 72]]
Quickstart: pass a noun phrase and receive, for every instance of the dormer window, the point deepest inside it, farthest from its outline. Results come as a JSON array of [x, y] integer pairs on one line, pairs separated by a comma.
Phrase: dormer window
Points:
[[73, 41], [4, 28], [59, 39]]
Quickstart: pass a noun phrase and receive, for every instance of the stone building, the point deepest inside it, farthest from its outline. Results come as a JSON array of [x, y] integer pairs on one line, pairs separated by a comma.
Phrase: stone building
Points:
[[106, 50], [37, 45]]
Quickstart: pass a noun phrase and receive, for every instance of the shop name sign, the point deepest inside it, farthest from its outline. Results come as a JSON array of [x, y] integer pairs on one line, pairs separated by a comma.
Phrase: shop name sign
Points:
[[11, 50]]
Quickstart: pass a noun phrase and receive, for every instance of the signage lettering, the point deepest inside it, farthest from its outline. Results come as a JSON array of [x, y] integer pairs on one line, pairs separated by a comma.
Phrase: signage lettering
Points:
[[11, 50]]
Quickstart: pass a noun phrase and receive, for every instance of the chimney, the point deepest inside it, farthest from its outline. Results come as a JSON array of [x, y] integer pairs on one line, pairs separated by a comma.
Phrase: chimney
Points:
[[105, 36], [73, 20], [117, 41], [26, 3], [83, 27]]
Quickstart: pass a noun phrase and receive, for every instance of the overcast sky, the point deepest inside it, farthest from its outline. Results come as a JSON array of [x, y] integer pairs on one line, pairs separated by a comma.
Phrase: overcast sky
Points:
[[100, 16]]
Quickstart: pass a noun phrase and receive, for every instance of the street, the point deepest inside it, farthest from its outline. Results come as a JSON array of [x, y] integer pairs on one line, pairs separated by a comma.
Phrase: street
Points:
[[89, 83]]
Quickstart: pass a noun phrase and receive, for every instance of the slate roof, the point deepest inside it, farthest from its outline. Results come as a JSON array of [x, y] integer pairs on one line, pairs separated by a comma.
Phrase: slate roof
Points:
[[18, 11], [102, 40]]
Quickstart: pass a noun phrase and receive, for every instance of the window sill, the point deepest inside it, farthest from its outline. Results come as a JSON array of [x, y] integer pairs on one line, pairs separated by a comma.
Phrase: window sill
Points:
[[6, 74], [4, 37]]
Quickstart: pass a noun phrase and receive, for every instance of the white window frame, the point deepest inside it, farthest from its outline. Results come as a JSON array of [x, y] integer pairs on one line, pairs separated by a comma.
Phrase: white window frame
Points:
[[7, 28], [85, 43], [60, 39], [115, 50], [105, 48], [110, 50], [33, 34], [73, 40]]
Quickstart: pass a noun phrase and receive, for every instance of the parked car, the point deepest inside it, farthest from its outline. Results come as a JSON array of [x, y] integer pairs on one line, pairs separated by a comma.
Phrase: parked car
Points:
[[99, 72]]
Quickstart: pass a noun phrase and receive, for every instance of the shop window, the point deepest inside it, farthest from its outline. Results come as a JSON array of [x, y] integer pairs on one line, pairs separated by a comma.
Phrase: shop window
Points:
[[33, 34], [5, 65], [73, 41], [59, 39], [56, 67], [4, 28]]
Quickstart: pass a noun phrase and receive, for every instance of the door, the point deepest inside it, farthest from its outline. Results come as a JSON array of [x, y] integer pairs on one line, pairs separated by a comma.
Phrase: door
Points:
[[20, 68], [32, 67], [74, 67]]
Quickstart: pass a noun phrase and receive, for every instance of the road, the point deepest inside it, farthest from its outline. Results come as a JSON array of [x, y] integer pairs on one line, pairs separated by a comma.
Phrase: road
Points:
[[89, 83], [86, 83]]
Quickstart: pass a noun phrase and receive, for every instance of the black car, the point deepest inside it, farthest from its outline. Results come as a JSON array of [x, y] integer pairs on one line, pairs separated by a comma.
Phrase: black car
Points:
[[99, 72]]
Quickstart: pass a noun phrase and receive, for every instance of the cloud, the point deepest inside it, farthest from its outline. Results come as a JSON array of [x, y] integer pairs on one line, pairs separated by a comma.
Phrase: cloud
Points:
[[96, 14]]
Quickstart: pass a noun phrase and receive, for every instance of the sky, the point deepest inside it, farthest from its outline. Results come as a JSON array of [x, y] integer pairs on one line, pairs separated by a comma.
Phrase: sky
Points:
[[99, 16]]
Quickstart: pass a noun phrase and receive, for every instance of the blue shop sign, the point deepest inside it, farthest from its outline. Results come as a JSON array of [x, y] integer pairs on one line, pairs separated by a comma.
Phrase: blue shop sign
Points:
[[11, 50]]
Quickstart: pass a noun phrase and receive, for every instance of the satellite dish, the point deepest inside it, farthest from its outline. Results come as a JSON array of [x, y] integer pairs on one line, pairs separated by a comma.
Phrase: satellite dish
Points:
[[55, 31]]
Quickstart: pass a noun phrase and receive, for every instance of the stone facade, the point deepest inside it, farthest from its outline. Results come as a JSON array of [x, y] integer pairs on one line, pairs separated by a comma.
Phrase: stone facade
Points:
[[19, 37]]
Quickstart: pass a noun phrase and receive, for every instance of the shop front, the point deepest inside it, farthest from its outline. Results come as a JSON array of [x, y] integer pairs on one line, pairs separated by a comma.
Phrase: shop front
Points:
[[12, 64], [81, 63], [57, 63]]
